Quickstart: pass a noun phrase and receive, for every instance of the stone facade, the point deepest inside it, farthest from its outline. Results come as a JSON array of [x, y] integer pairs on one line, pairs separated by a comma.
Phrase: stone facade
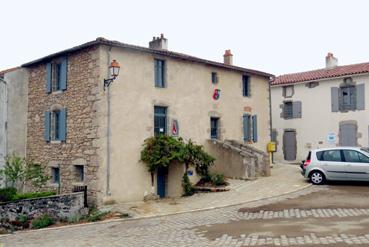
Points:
[[79, 99], [58, 207]]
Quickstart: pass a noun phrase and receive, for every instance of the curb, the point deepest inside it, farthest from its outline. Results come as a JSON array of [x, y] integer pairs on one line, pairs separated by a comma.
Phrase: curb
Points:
[[155, 216]]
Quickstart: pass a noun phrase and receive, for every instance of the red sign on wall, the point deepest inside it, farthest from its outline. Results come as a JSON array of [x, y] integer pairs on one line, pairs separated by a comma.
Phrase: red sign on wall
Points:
[[216, 94], [175, 130]]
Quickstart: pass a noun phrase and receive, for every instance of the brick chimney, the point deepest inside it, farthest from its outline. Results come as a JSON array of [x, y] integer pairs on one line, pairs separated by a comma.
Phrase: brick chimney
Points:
[[330, 61], [228, 57], [159, 43]]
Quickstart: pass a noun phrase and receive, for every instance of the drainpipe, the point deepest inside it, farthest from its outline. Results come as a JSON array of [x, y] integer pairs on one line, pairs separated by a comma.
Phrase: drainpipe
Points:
[[5, 115], [270, 120], [108, 131]]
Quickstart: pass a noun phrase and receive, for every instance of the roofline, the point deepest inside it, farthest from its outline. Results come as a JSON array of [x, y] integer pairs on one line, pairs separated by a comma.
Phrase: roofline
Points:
[[322, 79], [3, 72], [102, 41]]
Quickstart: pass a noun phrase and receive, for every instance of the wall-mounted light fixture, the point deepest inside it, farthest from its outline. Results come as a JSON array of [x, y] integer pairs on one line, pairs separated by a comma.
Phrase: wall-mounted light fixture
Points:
[[113, 72]]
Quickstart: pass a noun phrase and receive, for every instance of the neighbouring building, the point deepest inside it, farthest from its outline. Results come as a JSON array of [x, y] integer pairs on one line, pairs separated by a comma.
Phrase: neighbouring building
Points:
[[90, 135], [320, 108], [13, 113]]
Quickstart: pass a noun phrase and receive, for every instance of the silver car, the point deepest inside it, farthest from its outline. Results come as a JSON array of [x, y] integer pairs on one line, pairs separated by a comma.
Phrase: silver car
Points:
[[341, 163]]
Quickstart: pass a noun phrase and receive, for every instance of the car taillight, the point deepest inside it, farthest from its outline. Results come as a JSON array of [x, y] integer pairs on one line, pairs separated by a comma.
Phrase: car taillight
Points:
[[307, 162]]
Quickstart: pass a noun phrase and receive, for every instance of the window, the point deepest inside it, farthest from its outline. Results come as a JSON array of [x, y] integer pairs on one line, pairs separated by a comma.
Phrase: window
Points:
[[246, 86], [214, 77], [329, 155], [214, 133], [348, 98], [160, 120], [79, 173], [56, 125], [247, 128], [288, 91], [159, 73], [55, 119], [56, 75], [288, 110], [354, 156], [55, 175]]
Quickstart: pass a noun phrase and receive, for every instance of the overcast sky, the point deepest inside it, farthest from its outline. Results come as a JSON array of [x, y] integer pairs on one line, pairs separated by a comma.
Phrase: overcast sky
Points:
[[278, 37]]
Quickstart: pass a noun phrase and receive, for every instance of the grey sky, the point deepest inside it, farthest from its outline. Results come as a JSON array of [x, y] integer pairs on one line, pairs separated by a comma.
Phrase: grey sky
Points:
[[273, 36]]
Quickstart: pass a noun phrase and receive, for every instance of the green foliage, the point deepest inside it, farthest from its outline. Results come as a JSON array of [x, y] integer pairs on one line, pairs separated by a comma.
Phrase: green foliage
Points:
[[162, 150], [30, 195], [218, 179], [7, 194], [19, 171], [188, 189], [96, 215], [23, 218], [42, 221], [75, 219]]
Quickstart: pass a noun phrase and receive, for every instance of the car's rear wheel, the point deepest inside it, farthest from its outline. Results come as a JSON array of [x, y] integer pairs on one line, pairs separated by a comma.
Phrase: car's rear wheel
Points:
[[317, 177]]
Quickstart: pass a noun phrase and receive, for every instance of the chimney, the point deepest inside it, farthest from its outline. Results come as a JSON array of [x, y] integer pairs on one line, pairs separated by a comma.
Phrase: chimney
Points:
[[330, 61], [228, 57], [159, 43]]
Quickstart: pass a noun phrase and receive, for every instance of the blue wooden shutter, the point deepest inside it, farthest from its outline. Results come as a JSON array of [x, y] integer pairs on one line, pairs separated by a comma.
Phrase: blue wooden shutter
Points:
[[246, 127], [63, 124], [63, 73], [254, 128], [360, 97], [156, 72], [48, 77], [47, 125]]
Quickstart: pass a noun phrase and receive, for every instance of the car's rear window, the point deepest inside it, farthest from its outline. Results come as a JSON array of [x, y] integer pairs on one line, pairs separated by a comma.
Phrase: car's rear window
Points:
[[329, 155]]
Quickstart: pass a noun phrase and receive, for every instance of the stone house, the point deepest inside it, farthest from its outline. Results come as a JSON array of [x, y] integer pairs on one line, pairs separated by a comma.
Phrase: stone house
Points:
[[91, 135], [320, 108], [13, 113]]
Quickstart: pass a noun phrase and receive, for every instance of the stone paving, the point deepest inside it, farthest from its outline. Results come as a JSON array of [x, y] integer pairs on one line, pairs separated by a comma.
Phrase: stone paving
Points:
[[182, 229], [284, 179]]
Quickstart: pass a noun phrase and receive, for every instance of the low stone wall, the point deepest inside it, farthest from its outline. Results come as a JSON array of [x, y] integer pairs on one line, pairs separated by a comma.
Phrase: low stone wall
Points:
[[237, 160], [58, 207]]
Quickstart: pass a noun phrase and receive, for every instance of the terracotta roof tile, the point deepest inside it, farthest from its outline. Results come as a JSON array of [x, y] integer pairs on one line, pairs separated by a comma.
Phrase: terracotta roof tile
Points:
[[345, 70]]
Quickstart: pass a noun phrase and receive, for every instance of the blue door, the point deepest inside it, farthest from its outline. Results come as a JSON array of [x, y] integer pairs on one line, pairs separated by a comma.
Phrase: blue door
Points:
[[161, 176]]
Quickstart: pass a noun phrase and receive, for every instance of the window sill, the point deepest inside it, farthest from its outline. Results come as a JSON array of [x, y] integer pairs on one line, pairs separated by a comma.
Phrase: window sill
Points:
[[57, 92], [55, 142], [79, 184]]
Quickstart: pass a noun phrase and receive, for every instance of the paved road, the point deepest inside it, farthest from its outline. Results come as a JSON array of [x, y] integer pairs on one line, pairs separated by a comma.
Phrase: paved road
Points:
[[333, 215]]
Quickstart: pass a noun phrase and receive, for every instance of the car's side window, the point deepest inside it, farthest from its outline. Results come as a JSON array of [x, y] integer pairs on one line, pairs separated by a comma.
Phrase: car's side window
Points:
[[354, 156], [319, 155], [330, 155]]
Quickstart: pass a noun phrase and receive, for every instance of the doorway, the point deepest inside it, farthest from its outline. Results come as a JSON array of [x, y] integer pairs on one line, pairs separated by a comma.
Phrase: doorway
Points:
[[348, 134], [162, 175], [289, 145]]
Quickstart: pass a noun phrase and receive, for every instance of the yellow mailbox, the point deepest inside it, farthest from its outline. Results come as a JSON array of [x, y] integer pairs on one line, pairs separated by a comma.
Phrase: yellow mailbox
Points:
[[271, 147]]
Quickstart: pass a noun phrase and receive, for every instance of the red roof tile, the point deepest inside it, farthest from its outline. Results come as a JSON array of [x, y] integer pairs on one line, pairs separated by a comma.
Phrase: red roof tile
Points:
[[319, 74]]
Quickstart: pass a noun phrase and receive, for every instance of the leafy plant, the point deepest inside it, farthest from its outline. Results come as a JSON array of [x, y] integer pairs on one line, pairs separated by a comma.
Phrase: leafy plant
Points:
[[42, 221], [30, 195], [96, 215], [7, 194], [23, 218], [18, 171], [218, 179], [75, 218], [188, 189]]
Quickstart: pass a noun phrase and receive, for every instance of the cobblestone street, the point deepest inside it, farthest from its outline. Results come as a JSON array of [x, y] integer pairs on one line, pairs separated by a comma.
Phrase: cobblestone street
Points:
[[333, 214]]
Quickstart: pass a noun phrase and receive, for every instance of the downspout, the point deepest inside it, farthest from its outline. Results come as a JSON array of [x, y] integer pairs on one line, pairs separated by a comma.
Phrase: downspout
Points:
[[5, 115], [270, 118], [108, 131]]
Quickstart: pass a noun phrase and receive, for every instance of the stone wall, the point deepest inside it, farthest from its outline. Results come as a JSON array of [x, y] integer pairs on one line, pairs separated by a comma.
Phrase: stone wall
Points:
[[80, 99], [58, 207], [237, 160]]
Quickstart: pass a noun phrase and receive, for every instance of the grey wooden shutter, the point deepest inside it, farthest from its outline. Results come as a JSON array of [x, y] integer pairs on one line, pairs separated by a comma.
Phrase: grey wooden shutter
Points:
[[63, 74], [62, 124], [246, 127], [360, 97], [335, 99], [254, 128], [296, 109], [47, 126], [48, 78], [156, 72]]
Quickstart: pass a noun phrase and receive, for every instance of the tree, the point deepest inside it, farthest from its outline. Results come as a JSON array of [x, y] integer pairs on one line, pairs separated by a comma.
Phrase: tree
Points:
[[19, 171]]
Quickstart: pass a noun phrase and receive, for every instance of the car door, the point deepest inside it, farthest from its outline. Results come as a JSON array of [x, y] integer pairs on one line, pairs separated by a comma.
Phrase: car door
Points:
[[332, 163], [357, 165]]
